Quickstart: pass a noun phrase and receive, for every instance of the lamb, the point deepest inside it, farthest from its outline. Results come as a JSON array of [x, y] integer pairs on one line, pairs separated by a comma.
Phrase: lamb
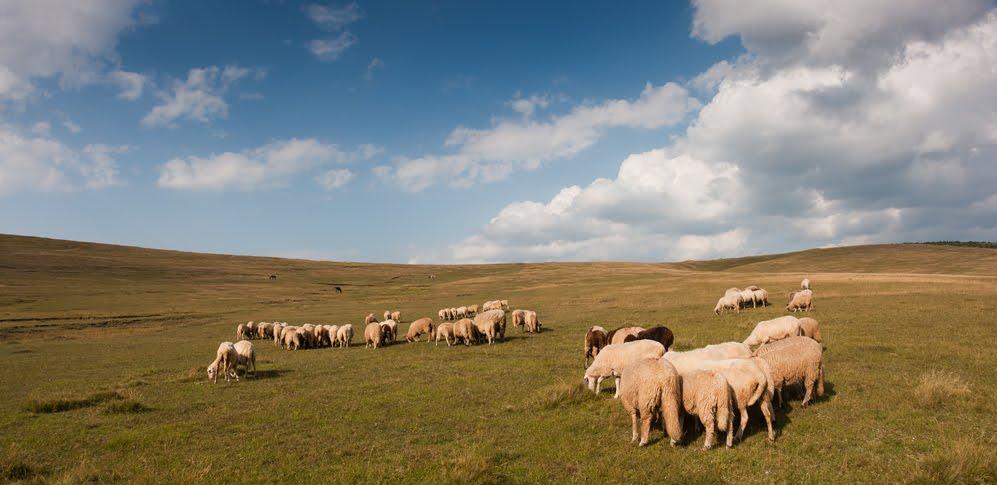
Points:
[[613, 358], [445, 330], [344, 336], [373, 334], [369, 318], [519, 319], [801, 300], [650, 387], [595, 340], [728, 302], [659, 334], [225, 361], [687, 360], [761, 296], [619, 335], [772, 330], [390, 332], [396, 316], [708, 396], [810, 328], [532, 323], [465, 330], [491, 324], [805, 284], [419, 327], [791, 361], [246, 358], [750, 382], [387, 314]]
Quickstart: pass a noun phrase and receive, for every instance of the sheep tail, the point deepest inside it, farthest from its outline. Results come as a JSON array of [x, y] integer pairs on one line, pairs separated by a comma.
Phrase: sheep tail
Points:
[[724, 412], [820, 379], [671, 403]]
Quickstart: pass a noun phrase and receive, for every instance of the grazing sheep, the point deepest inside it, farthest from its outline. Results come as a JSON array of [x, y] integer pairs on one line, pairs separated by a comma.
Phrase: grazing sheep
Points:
[[595, 340], [650, 387], [387, 314], [472, 310], [419, 327], [750, 384], [445, 330], [462, 312], [261, 330], [491, 305], [805, 284], [246, 358], [659, 334], [504, 304], [619, 335], [242, 331], [331, 332], [801, 300], [292, 339], [491, 324], [396, 316], [390, 330], [277, 328], [519, 319], [728, 302], [810, 328], [369, 319], [613, 358], [687, 360], [532, 323], [225, 361], [760, 296], [732, 291], [772, 330], [344, 336], [373, 334], [752, 287], [791, 361], [443, 315], [707, 395], [465, 330], [319, 335], [305, 335], [747, 297]]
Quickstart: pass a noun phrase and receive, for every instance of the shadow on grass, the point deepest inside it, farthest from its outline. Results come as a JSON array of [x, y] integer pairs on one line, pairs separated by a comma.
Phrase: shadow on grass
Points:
[[270, 373], [68, 404], [126, 407]]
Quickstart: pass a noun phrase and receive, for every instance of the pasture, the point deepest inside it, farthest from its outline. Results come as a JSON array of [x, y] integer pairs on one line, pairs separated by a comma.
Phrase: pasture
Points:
[[103, 350]]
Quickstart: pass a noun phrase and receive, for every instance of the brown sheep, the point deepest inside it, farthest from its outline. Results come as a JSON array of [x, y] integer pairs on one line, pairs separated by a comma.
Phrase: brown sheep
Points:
[[791, 361], [658, 334], [619, 335], [595, 340]]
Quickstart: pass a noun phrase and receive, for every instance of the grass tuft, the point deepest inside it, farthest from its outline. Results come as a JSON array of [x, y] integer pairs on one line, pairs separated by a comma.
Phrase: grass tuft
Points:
[[962, 462], [12, 471], [561, 395], [126, 407], [60, 405], [938, 387], [470, 466]]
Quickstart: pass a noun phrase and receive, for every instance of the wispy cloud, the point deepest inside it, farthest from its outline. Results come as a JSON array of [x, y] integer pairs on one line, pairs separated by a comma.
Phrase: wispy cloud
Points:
[[333, 19]]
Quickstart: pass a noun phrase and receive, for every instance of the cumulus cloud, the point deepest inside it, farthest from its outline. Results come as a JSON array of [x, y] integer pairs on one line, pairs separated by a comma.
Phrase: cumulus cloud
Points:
[[845, 123], [268, 166], [487, 155], [39, 163], [131, 84], [200, 97], [335, 178]]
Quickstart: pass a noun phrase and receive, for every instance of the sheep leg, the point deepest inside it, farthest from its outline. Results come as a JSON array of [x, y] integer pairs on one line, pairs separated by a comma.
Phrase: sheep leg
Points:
[[709, 427], [743, 424], [598, 385], [730, 431], [645, 428], [808, 385], [633, 426], [617, 394], [767, 411]]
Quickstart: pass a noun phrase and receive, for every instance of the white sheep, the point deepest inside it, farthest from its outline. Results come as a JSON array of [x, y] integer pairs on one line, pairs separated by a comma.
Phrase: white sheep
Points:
[[344, 336], [707, 395], [810, 328], [225, 361], [805, 284], [772, 330], [747, 296], [331, 335], [419, 327], [446, 331], [760, 296], [613, 358], [396, 315], [443, 315], [794, 360], [519, 319], [491, 324], [246, 358], [648, 388], [751, 385], [373, 334], [619, 335], [686, 360], [801, 300], [387, 315], [728, 302], [532, 323], [462, 312], [391, 330], [465, 330]]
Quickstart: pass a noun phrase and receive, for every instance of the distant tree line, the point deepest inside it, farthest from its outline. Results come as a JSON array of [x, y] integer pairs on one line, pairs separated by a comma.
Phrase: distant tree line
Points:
[[967, 244]]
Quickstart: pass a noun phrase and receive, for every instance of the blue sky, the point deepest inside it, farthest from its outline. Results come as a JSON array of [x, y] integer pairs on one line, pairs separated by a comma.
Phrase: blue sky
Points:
[[465, 131]]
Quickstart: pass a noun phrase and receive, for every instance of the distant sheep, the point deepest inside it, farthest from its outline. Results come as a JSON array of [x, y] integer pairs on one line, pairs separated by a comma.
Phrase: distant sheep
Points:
[[619, 335], [331, 332], [794, 360], [242, 331], [805, 284], [419, 327], [390, 329], [595, 339], [373, 334], [728, 302], [532, 322], [344, 336], [225, 361], [246, 358], [369, 319], [472, 310], [291, 338], [659, 334], [801, 300], [648, 388], [491, 325], [613, 358], [445, 330], [772, 330], [810, 328], [747, 297], [387, 315], [396, 316], [464, 330], [443, 315], [751, 384], [462, 312], [519, 319], [760, 296], [707, 395]]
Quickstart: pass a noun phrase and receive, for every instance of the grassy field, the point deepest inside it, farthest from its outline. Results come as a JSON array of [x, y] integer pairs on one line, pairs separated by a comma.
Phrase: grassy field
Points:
[[103, 350]]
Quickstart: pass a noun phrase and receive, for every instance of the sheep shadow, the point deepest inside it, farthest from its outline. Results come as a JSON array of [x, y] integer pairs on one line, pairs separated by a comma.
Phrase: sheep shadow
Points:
[[269, 373]]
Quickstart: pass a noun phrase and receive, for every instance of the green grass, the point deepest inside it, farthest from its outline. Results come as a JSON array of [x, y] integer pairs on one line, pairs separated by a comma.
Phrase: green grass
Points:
[[901, 323]]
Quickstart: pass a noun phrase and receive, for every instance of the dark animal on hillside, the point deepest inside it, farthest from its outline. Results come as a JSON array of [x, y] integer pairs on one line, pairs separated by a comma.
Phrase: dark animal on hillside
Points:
[[339, 290], [273, 276], [659, 334]]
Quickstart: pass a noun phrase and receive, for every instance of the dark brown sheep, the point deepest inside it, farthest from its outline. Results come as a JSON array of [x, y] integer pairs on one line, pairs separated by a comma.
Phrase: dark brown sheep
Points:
[[659, 334]]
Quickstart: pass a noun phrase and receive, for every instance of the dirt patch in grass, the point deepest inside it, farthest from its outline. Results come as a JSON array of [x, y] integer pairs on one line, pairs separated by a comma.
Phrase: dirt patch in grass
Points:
[[68, 404], [938, 387], [126, 407]]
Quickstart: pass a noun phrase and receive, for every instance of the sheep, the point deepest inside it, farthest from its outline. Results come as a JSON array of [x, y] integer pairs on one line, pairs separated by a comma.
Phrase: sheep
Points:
[[225, 361], [261, 329], [344, 336], [373, 334], [752, 287], [250, 329], [291, 338], [619, 335], [747, 296], [462, 312], [801, 300], [761, 296], [751, 384], [794, 360], [707, 395], [810, 328], [465, 330], [246, 357], [772, 330], [491, 305], [445, 330], [472, 310], [687, 360], [396, 316], [319, 334], [659, 334], [504, 304], [419, 327], [728, 302], [805, 284], [650, 387], [613, 358], [532, 323], [387, 314], [277, 328], [390, 332], [443, 315], [519, 319], [242, 331], [369, 319], [331, 331], [491, 324], [732, 291], [305, 335], [595, 340]]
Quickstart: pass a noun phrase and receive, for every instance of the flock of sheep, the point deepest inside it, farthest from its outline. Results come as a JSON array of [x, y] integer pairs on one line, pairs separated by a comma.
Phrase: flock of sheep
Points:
[[471, 327], [655, 382], [735, 299]]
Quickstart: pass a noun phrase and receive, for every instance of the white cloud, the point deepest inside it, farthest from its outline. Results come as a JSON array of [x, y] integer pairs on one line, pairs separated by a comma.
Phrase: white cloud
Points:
[[334, 179], [526, 106], [271, 165], [70, 126], [376, 64], [43, 164], [201, 97], [131, 84], [328, 50], [331, 18], [486, 155], [41, 128]]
